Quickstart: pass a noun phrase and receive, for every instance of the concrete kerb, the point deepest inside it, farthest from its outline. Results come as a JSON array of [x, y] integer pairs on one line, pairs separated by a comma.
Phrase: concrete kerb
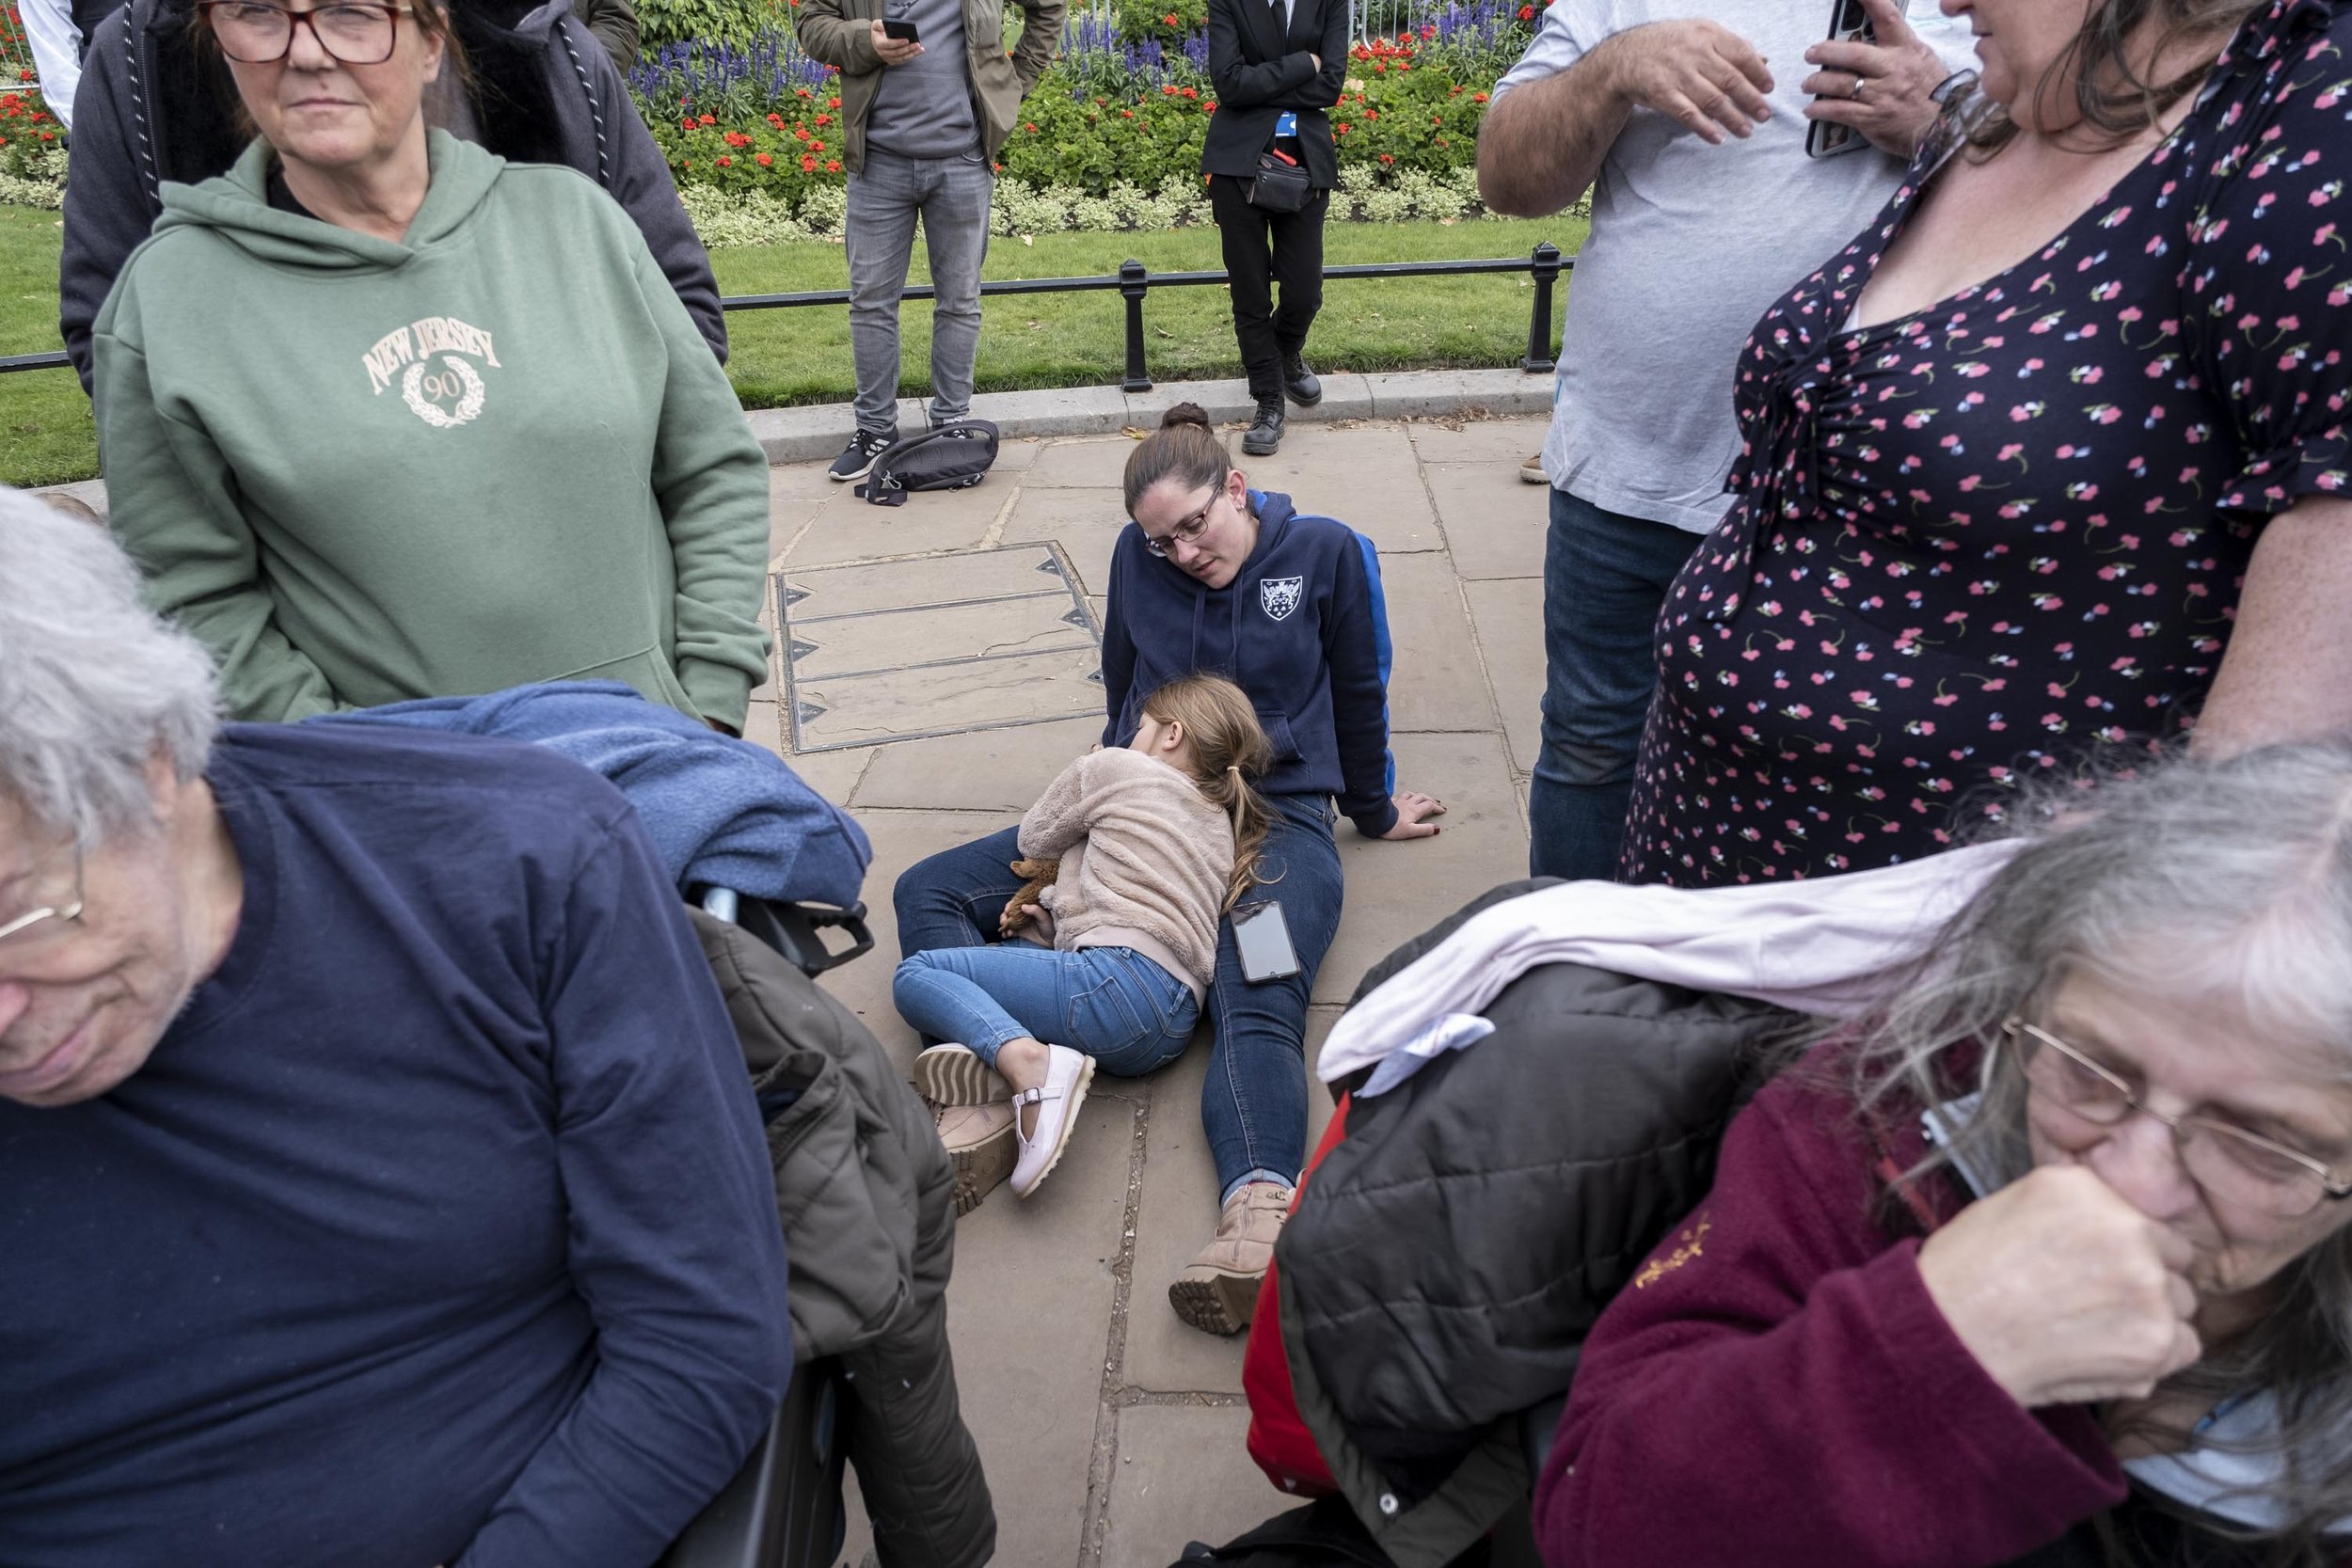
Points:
[[815, 432]]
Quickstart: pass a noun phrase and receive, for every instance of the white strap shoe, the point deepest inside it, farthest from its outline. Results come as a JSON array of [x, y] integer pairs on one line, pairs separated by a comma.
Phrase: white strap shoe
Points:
[[1067, 1074]]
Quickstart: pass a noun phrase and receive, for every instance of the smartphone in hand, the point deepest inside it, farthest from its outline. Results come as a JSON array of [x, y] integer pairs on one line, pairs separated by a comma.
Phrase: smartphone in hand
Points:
[[1848, 23], [903, 31]]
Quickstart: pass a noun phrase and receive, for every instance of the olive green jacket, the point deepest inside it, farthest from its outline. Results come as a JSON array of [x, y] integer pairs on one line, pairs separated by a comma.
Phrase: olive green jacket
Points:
[[839, 33]]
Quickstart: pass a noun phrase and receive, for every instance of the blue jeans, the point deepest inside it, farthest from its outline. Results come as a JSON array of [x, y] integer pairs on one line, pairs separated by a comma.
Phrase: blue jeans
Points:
[[1605, 575], [1112, 1002], [951, 196], [1254, 1105]]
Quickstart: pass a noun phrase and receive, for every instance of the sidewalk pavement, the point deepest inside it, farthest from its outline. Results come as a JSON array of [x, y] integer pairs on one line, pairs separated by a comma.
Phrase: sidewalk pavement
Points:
[[1111, 1432]]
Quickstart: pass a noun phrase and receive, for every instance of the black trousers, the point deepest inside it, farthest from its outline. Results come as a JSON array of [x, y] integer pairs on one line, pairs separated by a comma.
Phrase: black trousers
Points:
[[1263, 248]]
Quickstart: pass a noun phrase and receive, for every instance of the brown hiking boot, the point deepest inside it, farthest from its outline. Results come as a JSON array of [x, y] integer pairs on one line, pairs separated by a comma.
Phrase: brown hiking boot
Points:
[[1219, 1290], [978, 1138]]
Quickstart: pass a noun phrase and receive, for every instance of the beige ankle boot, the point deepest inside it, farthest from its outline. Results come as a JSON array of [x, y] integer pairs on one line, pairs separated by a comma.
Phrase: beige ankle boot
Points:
[[1219, 1290]]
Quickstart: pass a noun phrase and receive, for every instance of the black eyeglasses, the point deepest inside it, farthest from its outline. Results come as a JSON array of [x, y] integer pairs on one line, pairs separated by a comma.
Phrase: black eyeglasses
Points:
[[1187, 531], [354, 33], [2231, 1163]]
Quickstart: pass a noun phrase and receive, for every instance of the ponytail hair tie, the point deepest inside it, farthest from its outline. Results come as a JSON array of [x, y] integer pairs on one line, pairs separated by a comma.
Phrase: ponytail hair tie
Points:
[[1233, 770]]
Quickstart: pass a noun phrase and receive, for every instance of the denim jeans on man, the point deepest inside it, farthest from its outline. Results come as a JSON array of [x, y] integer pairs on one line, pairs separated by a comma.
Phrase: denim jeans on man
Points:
[[951, 196], [1254, 1105], [1605, 575], [1112, 1002]]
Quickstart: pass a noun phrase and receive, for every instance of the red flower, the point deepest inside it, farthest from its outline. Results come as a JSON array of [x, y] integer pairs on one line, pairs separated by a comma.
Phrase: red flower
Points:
[[1478, 98], [824, 120], [1029, 125], [1372, 114], [1192, 92], [1527, 13], [833, 102], [737, 139], [815, 147], [685, 124], [800, 93], [707, 119], [1167, 91], [725, 161], [808, 166], [1128, 113], [1388, 158], [762, 159], [1340, 128], [1169, 19], [833, 166], [1210, 107]]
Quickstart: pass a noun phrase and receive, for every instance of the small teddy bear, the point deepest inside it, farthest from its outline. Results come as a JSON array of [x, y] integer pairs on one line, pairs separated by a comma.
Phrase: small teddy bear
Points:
[[1040, 875]]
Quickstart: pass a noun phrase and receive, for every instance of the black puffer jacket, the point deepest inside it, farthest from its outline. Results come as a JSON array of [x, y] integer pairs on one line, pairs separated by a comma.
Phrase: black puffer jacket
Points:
[[1448, 1257], [866, 1196], [151, 108]]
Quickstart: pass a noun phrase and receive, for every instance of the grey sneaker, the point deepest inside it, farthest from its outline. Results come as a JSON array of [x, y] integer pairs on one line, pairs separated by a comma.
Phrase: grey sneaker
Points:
[[857, 459]]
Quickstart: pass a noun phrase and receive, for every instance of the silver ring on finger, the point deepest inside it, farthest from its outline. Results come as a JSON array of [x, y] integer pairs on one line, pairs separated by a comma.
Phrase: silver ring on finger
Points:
[[1859, 83]]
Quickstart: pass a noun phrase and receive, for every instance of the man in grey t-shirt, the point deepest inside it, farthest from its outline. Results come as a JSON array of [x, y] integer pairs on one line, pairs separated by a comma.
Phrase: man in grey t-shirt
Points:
[[1706, 208]]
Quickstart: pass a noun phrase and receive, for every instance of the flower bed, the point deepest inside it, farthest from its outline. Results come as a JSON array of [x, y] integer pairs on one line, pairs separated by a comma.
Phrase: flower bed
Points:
[[1110, 138]]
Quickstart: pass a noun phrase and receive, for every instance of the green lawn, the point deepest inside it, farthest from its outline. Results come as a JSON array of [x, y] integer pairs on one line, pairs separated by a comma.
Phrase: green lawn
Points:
[[783, 357]]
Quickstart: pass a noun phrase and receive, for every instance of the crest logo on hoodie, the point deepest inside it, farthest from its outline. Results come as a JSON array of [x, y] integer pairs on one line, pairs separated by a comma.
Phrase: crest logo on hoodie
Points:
[[430, 360], [1280, 596]]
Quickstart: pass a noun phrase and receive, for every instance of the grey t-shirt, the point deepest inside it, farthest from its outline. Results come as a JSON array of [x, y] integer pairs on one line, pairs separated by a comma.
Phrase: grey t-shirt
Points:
[[1690, 244], [923, 109]]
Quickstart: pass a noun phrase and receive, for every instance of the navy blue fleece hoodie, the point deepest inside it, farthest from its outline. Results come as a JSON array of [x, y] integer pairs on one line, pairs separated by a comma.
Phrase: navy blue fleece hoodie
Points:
[[1299, 628]]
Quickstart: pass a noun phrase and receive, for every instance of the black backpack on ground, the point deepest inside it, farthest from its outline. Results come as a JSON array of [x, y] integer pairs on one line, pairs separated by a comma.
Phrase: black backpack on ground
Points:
[[956, 457]]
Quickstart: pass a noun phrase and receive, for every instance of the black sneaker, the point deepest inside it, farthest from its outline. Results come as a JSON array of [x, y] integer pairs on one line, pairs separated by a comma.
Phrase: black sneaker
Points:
[[857, 459]]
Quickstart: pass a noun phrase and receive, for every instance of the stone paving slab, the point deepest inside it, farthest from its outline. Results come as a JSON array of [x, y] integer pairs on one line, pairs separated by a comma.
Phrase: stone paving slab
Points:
[[1112, 1433]]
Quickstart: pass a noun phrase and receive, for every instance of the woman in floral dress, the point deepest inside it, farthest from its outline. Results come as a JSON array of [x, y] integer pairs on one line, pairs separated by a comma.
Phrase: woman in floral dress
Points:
[[2009, 502]]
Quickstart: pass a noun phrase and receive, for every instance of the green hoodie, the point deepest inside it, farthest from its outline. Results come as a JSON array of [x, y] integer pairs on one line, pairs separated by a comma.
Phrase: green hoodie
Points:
[[497, 452]]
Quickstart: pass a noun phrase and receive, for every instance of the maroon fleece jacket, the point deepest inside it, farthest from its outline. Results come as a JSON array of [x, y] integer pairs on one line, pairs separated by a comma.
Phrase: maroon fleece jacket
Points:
[[1776, 1387]]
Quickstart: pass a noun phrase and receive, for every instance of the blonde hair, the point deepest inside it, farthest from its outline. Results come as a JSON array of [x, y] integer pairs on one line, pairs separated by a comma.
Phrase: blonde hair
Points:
[[1229, 747]]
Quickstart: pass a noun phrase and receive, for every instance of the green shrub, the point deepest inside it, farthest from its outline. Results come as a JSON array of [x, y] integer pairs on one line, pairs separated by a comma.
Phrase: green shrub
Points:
[[732, 22], [1166, 21]]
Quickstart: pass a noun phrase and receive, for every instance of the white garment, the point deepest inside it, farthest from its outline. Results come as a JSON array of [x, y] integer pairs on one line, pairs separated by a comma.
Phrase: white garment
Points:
[[56, 53], [1822, 945]]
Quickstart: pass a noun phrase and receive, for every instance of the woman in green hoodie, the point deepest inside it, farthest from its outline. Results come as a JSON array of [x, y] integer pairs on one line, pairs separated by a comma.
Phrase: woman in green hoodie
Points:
[[384, 415]]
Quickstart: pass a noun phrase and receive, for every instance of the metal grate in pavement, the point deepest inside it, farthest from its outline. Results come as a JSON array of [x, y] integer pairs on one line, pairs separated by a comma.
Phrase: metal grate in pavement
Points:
[[878, 651]]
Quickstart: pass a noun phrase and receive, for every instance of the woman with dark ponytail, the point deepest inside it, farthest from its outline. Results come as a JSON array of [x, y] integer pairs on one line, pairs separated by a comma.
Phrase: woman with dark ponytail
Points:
[[1276, 66], [1214, 577]]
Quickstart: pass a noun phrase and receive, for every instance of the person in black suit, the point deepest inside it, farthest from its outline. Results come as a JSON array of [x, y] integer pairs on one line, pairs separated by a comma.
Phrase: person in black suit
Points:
[[1276, 64]]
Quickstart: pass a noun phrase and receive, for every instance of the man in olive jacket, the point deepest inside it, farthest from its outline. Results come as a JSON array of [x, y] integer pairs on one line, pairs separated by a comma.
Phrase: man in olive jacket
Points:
[[922, 120]]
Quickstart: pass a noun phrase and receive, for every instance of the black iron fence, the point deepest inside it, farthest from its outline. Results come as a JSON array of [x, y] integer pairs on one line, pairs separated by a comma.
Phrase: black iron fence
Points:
[[1134, 283]]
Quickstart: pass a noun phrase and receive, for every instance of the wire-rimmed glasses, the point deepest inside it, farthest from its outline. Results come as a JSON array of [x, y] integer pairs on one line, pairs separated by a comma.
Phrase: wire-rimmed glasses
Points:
[[48, 919], [2240, 1167]]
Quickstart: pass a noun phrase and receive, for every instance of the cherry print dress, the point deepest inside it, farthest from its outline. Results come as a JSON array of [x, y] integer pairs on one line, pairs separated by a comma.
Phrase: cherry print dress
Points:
[[2006, 533]]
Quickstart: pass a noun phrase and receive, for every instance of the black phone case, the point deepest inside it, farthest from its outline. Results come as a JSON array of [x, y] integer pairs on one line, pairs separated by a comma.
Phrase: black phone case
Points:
[[1847, 22]]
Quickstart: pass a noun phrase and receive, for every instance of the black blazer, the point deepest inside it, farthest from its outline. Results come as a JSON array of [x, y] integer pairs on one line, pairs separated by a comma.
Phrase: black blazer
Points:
[[1259, 73]]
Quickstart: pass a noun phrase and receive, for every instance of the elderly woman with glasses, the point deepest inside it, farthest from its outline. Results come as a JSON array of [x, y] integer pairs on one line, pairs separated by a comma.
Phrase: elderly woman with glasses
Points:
[[1214, 577], [384, 415], [383, 1187], [2045, 1258]]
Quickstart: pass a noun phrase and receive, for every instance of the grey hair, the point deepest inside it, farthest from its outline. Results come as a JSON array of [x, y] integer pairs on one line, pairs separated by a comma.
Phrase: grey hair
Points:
[[2226, 880], [92, 684]]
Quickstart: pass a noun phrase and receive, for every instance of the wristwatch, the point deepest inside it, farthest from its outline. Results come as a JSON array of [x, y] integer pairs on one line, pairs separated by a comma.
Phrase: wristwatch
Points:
[[1959, 81]]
